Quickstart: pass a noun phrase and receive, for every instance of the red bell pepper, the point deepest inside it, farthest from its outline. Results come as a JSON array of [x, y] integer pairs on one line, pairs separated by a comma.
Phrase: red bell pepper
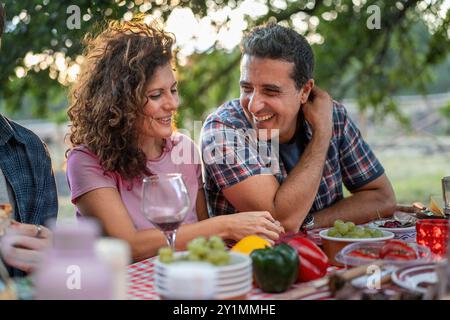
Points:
[[313, 261]]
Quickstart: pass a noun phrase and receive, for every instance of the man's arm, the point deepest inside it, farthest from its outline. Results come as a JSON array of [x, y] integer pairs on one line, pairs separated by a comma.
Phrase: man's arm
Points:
[[372, 194], [371, 201], [290, 202]]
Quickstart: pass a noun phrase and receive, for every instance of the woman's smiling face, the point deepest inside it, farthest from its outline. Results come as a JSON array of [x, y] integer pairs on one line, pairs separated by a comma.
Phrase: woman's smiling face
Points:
[[162, 103]]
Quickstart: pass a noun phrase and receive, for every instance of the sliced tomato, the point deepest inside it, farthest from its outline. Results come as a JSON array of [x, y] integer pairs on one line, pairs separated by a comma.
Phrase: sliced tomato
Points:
[[400, 255], [397, 247], [364, 253]]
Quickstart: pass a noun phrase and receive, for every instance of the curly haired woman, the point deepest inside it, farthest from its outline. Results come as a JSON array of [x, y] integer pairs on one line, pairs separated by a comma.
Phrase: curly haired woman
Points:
[[122, 110]]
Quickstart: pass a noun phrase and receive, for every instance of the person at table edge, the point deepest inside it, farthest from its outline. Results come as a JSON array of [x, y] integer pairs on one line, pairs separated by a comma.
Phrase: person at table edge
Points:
[[320, 147], [27, 183]]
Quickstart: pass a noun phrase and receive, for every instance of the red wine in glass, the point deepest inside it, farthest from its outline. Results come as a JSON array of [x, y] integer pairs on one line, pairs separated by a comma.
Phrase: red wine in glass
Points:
[[165, 203], [166, 224]]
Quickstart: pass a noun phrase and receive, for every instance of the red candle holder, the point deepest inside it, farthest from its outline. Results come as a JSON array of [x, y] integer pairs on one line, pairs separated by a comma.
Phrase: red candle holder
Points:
[[433, 233]]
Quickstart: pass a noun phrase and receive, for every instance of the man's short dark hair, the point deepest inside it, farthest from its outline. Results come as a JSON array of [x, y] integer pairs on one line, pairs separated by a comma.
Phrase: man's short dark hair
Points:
[[276, 42], [2, 19]]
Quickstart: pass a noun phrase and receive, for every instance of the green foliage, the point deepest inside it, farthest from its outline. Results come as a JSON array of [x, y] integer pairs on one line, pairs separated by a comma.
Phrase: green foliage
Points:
[[445, 111], [351, 60], [206, 82]]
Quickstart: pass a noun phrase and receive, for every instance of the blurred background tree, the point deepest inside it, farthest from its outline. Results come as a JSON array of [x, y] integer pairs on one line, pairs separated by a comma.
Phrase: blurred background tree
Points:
[[409, 53]]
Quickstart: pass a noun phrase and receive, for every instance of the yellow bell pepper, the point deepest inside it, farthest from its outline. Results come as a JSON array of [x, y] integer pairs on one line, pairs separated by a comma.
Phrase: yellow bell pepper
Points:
[[249, 243]]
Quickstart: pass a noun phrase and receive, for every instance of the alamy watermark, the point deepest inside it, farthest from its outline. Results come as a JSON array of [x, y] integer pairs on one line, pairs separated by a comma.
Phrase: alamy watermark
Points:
[[374, 20], [73, 281], [73, 20], [374, 279]]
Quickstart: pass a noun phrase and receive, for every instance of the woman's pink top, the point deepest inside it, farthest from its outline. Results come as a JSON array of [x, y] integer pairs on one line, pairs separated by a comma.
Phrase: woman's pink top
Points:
[[180, 155]]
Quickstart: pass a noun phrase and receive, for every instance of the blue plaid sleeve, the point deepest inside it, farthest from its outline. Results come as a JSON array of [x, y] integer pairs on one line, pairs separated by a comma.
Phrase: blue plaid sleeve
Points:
[[358, 162]]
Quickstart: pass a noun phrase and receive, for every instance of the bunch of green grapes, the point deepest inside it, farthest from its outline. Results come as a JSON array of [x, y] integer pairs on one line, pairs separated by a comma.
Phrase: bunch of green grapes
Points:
[[343, 229], [212, 250], [166, 255]]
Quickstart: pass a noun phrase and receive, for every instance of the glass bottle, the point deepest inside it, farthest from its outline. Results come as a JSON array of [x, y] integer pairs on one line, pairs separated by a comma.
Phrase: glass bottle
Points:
[[70, 269]]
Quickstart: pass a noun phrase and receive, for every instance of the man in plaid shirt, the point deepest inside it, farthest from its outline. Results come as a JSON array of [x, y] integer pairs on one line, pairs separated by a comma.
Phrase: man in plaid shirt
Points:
[[286, 147]]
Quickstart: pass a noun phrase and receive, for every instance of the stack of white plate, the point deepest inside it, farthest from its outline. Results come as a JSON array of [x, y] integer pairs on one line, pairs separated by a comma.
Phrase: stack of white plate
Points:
[[233, 280]]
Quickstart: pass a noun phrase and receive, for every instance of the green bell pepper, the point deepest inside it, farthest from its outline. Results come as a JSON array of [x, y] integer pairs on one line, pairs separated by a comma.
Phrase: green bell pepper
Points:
[[275, 269]]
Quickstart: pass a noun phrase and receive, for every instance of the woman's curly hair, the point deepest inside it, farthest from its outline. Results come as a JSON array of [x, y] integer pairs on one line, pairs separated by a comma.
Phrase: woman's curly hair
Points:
[[107, 101]]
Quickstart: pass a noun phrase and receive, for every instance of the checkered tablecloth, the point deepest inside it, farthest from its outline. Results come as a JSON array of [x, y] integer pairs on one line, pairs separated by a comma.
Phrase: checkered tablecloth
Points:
[[141, 285], [141, 279]]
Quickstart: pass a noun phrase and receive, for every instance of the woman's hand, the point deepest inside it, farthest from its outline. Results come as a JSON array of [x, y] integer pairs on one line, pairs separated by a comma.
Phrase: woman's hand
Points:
[[260, 223], [31, 230], [23, 245]]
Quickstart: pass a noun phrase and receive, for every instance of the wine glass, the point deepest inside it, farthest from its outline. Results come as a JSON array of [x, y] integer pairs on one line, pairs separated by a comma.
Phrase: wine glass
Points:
[[165, 203]]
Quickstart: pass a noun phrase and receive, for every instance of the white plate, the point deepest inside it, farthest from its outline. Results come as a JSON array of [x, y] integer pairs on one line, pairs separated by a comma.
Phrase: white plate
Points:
[[220, 295], [386, 236], [221, 277], [234, 294], [220, 289], [237, 262], [375, 225], [412, 276], [221, 274], [222, 280]]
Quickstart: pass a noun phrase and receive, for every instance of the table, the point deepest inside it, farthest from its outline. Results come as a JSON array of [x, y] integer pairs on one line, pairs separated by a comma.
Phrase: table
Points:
[[141, 279], [141, 287]]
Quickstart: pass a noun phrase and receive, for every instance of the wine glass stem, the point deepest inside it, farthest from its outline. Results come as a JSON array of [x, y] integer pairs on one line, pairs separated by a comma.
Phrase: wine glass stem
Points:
[[170, 236]]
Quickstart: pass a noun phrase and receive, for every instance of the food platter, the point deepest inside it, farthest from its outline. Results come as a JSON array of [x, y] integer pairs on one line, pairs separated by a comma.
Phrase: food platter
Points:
[[416, 278]]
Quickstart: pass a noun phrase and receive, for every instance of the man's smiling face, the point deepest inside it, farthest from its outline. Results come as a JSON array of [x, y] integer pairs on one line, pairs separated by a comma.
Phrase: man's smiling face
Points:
[[269, 96]]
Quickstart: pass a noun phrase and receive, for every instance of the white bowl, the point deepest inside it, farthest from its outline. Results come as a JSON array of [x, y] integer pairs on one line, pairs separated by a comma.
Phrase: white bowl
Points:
[[386, 236], [332, 245]]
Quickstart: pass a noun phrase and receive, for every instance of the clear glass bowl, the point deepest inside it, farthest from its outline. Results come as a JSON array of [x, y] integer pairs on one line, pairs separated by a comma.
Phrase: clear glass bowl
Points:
[[344, 258]]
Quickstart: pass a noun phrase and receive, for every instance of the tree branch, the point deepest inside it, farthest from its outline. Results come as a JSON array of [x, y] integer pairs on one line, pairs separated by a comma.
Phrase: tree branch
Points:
[[391, 24], [279, 16]]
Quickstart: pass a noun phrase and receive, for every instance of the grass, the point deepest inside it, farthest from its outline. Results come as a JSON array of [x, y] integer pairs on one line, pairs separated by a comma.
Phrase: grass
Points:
[[66, 210], [414, 176]]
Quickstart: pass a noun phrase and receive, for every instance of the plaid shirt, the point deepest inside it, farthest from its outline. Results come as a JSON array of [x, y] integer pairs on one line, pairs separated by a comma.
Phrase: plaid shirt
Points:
[[26, 164], [350, 161]]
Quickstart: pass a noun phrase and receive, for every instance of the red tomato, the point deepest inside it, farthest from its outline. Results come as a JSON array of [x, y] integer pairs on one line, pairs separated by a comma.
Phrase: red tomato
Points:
[[364, 253], [397, 248], [400, 256]]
